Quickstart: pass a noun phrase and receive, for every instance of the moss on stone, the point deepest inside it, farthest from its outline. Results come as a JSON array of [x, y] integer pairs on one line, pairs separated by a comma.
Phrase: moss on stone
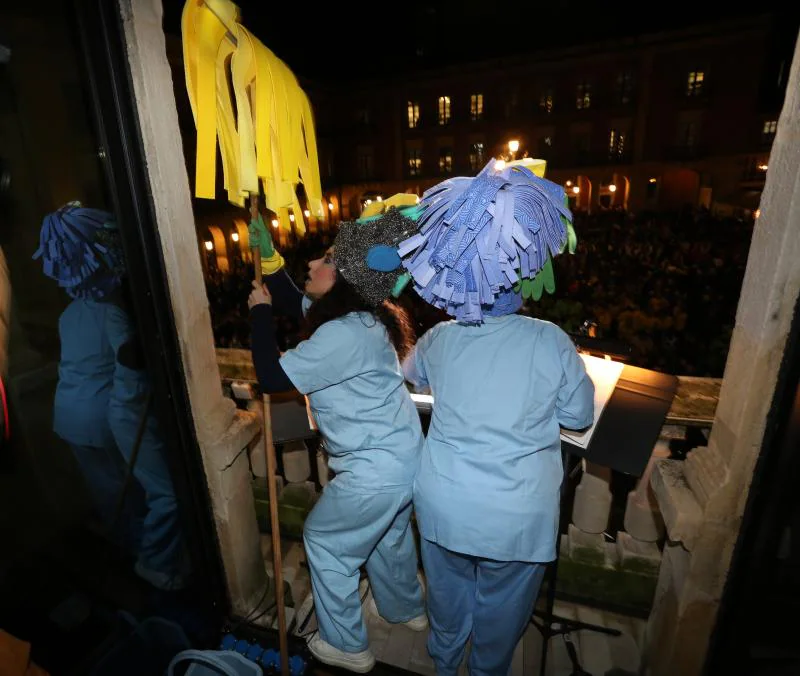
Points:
[[589, 555], [614, 586]]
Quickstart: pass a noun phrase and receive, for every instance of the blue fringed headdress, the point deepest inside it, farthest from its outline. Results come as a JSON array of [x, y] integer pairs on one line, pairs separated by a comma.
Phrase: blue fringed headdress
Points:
[[80, 249], [484, 243]]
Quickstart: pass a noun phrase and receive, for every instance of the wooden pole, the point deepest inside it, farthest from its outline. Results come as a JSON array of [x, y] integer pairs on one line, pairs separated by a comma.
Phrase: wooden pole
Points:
[[269, 449]]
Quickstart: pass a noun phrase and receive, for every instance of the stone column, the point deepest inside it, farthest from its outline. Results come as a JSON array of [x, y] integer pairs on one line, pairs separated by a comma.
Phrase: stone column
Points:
[[590, 511], [643, 520], [222, 432], [637, 546], [703, 499]]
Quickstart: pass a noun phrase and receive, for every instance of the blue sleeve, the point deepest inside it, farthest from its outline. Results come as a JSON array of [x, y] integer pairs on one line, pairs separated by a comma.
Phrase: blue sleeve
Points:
[[270, 375], [287, 299], [575, 401], [121, 334], [336, 352], [414, 365], [119, 327]]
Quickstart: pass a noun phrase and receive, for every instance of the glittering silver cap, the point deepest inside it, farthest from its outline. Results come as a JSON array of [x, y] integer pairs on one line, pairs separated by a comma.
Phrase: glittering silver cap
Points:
[[353, 243]]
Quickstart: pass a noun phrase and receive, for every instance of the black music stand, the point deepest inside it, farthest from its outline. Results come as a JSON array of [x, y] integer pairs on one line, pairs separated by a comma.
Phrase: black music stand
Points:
[[639, 405]]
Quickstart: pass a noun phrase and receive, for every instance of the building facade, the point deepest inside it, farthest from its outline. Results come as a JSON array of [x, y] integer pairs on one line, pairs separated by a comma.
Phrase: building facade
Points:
[[658, 121]]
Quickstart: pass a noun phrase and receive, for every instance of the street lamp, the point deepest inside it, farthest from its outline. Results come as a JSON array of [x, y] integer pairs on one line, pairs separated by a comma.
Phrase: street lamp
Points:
[[274, 222], [612, 188], [235, 236], [330, 206], [513, 146], [291, 217], [209, 245], [576, 190], [306, 213]]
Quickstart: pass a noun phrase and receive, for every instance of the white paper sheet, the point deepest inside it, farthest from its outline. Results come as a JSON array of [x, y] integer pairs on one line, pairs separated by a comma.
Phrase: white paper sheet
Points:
[[604, 374]]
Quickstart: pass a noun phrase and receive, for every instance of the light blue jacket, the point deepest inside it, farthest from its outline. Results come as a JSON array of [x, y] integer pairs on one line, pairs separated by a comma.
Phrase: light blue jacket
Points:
[[491, 471], [355, 387]]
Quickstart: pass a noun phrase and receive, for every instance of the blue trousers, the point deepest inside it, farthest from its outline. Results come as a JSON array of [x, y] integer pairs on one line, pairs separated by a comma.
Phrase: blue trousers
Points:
[[104, 470], [492, 601], [345, 530], [161, 551]]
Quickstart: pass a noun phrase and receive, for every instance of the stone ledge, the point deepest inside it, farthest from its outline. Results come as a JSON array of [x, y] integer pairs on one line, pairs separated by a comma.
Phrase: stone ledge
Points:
[[637, 556], [585, 547], [706, 472], [235, 364], [679, 507], [244, 428], [606, 580]]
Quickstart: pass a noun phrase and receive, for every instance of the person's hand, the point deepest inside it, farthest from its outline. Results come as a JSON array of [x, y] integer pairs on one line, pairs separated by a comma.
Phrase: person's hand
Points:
[[259, 295], [259, 236]]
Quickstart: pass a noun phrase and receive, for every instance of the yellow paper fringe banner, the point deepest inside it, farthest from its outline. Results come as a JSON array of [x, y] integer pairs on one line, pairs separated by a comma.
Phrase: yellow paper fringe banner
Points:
[[271, 133]]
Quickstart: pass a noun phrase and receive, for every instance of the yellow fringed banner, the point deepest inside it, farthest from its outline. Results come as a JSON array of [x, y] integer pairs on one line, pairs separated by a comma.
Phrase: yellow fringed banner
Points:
[[271, 136]]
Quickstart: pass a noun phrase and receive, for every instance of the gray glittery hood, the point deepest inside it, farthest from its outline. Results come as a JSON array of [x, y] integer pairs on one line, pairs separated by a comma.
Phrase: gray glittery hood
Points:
[[365, 252]]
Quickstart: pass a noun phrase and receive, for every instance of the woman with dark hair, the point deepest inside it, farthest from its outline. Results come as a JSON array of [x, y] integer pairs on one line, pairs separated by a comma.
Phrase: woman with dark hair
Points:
[[349, 368]]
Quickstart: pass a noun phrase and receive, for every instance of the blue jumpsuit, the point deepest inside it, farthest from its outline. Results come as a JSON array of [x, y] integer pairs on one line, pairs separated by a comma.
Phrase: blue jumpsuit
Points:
[[80, 415], [162, 559], [351, 374], [98, 405], [487, 493]]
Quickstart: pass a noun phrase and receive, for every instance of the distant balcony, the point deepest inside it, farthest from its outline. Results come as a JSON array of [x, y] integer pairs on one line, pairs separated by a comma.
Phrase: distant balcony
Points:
[[684, 153], [582, 158], [754, 176]]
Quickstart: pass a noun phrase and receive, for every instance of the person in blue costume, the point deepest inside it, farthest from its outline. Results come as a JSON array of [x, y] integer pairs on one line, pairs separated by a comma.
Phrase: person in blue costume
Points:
[[103, 392], [350, 371], [487, 493]]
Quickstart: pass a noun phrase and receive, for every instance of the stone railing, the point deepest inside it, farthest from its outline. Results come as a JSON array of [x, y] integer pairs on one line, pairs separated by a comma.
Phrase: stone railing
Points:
[[614, 569], [624, 573]]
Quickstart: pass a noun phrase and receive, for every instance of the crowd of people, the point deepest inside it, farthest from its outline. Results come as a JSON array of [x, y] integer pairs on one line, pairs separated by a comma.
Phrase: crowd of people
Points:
[[665, 285]]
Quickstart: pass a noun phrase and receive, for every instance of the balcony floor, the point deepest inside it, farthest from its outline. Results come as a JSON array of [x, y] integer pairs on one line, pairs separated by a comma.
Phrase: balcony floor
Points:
[[597, 653], [398, 646]]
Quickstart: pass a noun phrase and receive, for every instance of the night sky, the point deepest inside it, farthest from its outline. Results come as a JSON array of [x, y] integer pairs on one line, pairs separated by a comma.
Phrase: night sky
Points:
[[354, 40]]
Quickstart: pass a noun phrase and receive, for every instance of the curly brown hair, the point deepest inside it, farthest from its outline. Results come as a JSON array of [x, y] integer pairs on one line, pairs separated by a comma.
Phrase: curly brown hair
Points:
[[343, 299]]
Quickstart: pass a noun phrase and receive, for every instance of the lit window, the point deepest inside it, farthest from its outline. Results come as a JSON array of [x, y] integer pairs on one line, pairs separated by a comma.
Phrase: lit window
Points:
[[624, 88], [694, 83], [414, 162], [477, 156], [444, 109], [413, 114], [616, 143], [445, 160], [768, 131], [583, 96], [546, 101], [476, 107]]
